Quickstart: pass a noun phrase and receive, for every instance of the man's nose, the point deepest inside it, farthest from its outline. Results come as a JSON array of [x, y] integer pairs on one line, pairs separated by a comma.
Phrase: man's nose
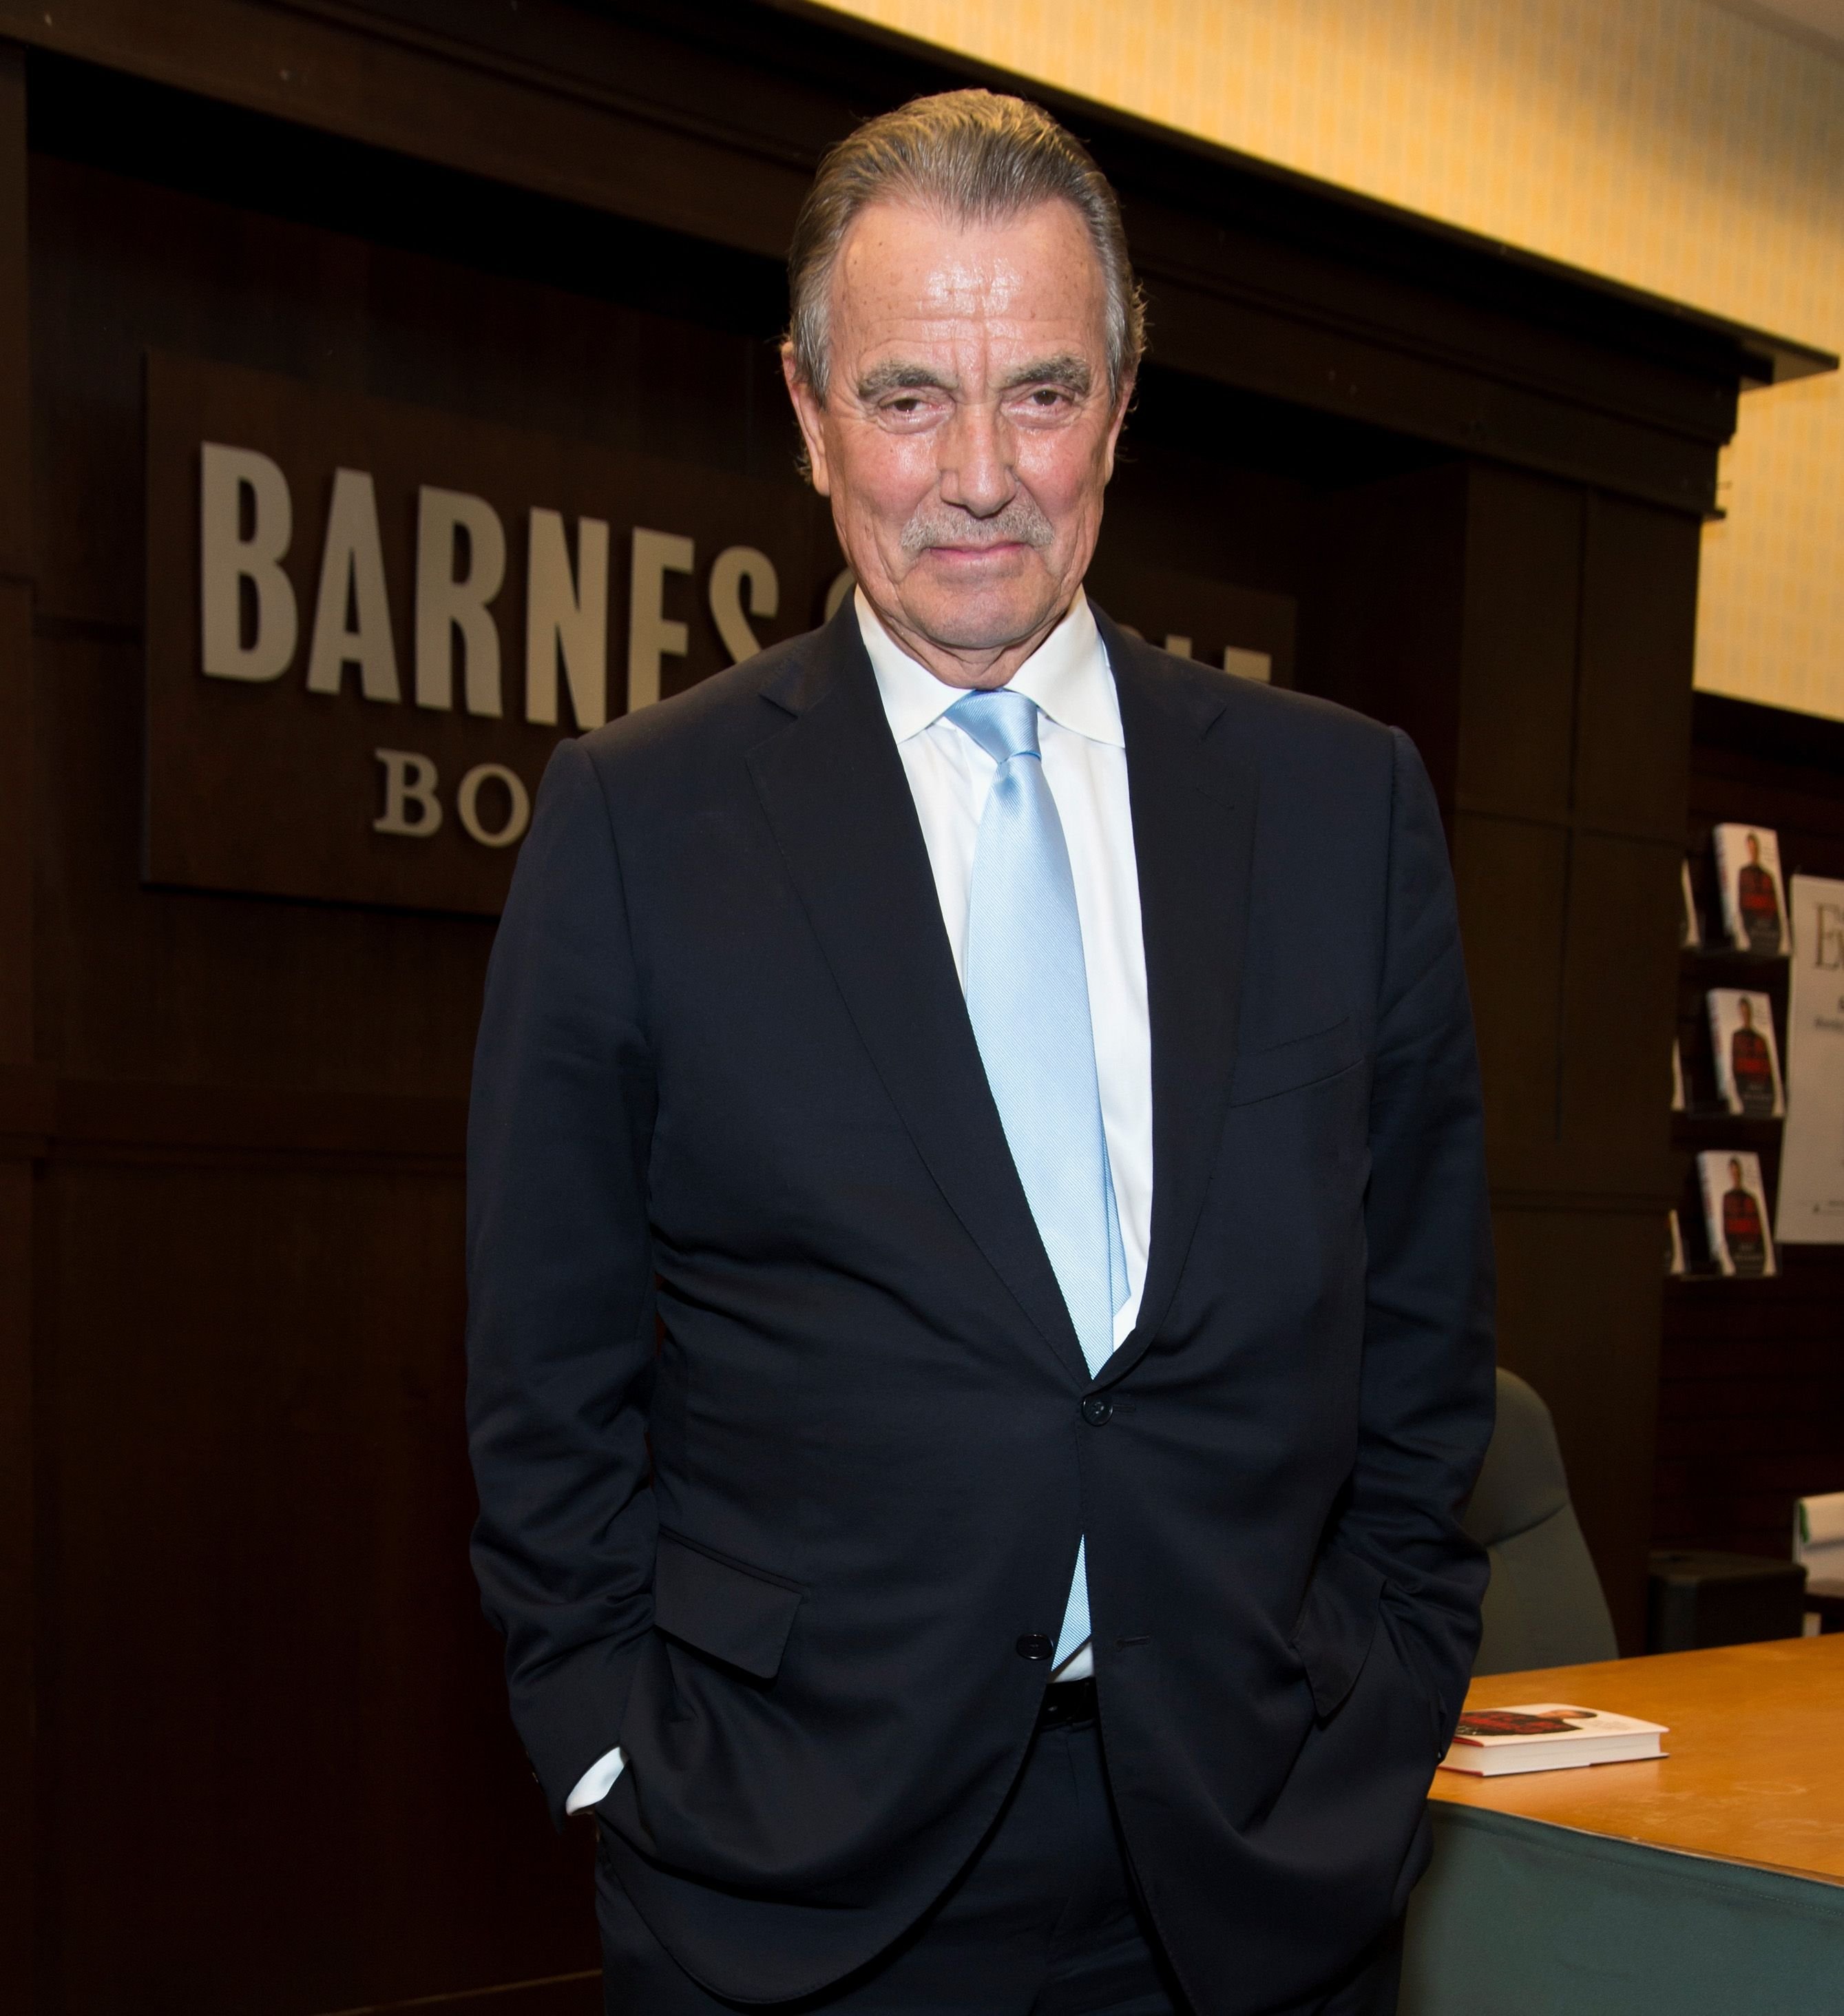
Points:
[[975, 462]]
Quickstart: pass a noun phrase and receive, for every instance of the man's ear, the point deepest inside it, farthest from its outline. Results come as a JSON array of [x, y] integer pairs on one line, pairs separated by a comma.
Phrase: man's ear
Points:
[[811, 416], [1115, 426]]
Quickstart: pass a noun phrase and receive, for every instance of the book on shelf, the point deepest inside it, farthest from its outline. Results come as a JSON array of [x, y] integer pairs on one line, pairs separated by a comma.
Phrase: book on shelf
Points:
[[1674, 1261], [1689, 934], [1753, 894], [1677, 1097], [1747, 1063], [1735, 1212], [1547, 1736]]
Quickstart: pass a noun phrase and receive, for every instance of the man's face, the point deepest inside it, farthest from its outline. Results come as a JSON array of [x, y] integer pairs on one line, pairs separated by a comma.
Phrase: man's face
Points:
[[1754, 852], [1734, 1175], [969, 431], [1747, 1013]]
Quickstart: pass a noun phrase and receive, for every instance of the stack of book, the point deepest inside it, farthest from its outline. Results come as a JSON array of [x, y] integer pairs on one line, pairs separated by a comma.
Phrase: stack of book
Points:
[[1749, 921]]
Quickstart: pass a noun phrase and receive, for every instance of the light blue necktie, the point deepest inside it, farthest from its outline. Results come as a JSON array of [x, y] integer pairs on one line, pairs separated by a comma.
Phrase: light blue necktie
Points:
[[1027, 996]]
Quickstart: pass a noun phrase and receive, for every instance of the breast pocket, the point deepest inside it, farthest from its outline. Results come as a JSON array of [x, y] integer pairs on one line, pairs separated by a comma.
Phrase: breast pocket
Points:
[[1302, 1061], [742, 1616]]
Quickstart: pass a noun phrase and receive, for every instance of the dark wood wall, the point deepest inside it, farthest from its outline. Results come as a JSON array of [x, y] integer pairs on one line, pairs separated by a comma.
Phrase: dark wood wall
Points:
[[262, 1660], [1535, 637], [21, 1104], [1750, 1395], [270, 1768]]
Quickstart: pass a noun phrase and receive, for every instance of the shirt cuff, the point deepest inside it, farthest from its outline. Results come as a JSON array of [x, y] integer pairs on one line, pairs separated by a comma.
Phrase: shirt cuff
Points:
[[1079, 1666], [593, 1787]]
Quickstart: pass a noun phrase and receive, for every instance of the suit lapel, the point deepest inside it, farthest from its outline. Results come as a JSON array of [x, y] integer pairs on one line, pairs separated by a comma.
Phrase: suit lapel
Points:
[[1193, 797], [835, 793]]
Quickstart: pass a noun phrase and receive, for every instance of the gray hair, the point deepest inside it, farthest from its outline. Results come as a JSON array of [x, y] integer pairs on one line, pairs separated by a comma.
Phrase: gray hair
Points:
[[976, 157]]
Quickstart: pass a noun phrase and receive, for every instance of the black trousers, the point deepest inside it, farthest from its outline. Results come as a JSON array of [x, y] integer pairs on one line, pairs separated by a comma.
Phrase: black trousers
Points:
[[1043, 1921]]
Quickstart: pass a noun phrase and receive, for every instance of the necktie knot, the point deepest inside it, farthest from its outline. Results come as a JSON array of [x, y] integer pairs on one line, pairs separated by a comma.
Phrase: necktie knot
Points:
[[1004, 723]]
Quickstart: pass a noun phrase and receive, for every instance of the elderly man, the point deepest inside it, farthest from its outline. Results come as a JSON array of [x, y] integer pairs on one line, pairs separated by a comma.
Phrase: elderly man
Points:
[[980, 1282]]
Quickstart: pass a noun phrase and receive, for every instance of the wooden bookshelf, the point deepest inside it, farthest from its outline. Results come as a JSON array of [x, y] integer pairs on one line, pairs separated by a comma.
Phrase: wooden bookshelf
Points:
[[1750, 1400]]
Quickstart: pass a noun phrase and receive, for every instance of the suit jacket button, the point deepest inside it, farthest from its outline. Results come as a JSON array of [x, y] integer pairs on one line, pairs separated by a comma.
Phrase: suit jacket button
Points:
[[1097, 1408], [1034, 1645]]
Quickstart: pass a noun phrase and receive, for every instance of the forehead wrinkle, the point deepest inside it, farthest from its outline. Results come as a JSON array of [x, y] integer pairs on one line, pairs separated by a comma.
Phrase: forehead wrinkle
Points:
[[974, 288], [975, 275]]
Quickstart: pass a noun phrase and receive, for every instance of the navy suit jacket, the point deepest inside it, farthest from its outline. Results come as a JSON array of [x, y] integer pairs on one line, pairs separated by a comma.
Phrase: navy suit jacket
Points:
[[775, 1408]]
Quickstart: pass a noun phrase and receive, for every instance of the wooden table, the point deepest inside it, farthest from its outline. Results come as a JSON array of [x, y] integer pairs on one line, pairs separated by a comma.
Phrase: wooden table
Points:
[[1710, 1880]]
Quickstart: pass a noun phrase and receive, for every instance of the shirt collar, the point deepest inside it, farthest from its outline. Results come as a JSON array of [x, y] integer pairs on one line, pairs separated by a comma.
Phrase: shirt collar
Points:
[[1067, 675]]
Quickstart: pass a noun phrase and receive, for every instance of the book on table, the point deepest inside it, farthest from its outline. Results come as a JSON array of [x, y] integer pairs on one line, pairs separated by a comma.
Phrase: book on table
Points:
[[1547, 1736]]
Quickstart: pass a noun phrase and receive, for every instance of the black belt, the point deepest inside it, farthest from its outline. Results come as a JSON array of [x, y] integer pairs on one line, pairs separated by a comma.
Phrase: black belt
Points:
[[1067, 1702]]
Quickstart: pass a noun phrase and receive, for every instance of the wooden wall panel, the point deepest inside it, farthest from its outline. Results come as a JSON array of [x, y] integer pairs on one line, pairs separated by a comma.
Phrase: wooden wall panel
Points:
[[1579, 1317], [19, 1754], [268, 1652], [1522, 615], [1384, 631], [16, 380], [1513, 883], [1483, 609], [1638, 636], [20, 1751], [18, 794], [1620, 1004], [1751, 1405], [575, 138]]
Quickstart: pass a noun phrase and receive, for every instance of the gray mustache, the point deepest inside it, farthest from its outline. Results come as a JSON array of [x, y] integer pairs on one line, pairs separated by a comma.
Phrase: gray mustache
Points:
[[942, 525]]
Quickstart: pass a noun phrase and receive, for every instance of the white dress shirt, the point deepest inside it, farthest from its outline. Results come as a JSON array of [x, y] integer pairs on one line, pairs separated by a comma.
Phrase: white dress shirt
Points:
[[1085, 754]]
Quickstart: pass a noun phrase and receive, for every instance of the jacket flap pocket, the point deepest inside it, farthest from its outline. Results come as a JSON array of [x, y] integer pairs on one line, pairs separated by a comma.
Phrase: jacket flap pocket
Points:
[[1337, 1622], [1286, 1066], [735, 1613]]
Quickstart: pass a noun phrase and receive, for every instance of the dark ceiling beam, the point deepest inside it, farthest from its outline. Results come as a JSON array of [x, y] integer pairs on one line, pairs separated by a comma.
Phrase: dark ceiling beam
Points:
[[708, 122]]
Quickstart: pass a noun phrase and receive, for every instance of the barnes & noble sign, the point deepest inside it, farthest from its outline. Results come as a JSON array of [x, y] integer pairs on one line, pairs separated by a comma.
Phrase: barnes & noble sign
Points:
[[368, 623]]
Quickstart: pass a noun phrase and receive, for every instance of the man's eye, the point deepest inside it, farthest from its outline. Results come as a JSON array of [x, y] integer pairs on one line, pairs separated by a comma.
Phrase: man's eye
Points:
[[1047, 395]]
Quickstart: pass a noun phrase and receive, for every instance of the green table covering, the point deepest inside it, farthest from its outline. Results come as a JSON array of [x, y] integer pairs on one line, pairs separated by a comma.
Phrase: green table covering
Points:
[[1516, 1917]]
